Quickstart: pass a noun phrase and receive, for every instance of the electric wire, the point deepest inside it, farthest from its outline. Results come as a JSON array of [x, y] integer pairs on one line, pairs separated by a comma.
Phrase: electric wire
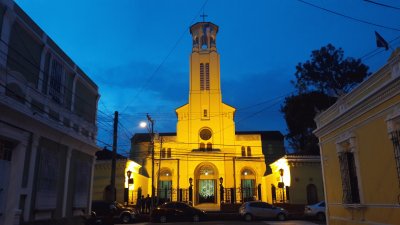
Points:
[[164, 60], [381, 4], [348, 17]]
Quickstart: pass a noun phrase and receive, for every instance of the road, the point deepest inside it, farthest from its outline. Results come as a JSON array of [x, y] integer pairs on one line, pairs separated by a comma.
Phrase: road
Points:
[[239, 222]]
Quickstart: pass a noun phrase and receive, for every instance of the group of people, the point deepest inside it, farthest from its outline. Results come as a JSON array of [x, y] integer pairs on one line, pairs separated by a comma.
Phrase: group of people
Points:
[[143, 204]]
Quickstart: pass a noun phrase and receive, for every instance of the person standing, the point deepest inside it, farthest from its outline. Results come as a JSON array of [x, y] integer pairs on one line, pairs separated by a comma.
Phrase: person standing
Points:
[[148, 203], [143, 204]]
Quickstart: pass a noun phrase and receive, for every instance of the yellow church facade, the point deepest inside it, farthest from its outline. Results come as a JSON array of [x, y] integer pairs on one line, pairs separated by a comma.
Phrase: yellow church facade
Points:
[[359, 140], [206, 162]]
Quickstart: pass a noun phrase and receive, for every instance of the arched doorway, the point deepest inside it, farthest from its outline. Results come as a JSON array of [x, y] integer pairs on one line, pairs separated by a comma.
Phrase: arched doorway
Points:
[[206, 175], [312, 194], [248, 181], [164, 189]]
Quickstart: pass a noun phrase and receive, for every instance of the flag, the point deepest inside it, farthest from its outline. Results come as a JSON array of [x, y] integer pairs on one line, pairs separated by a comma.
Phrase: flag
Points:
[[380, 42]]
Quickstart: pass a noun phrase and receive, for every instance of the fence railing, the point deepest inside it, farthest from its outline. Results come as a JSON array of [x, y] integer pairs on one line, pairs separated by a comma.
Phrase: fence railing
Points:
[[224, 195]]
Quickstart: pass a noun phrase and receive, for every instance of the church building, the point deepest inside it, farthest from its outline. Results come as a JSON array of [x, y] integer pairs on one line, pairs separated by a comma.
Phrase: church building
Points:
[[206, 162]]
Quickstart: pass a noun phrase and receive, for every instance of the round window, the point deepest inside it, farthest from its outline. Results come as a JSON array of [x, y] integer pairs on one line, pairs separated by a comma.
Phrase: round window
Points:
[[205, 134]]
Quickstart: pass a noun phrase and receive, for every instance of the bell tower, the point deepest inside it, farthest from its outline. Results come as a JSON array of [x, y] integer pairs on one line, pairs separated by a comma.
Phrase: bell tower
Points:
[[205, 88], [206, 122]]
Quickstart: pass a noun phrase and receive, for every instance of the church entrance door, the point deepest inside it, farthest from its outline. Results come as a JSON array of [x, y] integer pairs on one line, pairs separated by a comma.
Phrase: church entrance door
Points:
[[207, 191], [206, 175]]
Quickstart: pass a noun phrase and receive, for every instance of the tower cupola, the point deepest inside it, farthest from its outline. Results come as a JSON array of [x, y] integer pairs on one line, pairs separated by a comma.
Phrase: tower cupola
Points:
[[204, 36]]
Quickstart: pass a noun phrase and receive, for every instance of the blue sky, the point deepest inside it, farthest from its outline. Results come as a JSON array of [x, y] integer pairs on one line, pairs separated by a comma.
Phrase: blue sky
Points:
[[138, 51]]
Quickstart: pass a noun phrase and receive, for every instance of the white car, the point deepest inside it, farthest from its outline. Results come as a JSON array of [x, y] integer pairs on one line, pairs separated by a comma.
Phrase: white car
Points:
[[317, 210], [261, 210]]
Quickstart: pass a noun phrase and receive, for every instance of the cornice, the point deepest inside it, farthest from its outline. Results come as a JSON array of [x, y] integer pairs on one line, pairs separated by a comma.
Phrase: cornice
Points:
[[380, 94], [372, 91]]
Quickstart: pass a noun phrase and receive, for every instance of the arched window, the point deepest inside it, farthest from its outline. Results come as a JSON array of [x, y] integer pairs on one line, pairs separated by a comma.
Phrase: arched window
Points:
[[202, 146], [209, 146], [312, 194], [248, 151], [169, 153], [248, 184], [164, 189], [243, 151], [163, 153]]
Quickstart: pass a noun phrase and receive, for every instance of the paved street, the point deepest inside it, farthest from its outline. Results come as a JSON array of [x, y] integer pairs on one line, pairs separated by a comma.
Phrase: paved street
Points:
[[239, 222]]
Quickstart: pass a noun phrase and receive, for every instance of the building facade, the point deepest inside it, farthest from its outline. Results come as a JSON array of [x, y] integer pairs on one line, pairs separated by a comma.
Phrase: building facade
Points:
[[126, 178], [48, 129], [206, 161], [296, 179], [359, 141]]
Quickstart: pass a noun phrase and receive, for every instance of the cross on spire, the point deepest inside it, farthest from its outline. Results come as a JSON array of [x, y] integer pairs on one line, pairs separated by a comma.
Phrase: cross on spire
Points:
[[204, 16]]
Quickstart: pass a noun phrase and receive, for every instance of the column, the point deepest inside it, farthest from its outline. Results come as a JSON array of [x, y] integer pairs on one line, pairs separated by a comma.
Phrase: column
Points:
[[66, 179]]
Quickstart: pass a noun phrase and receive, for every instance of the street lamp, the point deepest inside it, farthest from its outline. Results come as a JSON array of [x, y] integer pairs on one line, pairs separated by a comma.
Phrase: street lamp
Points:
[[128, 174], [282, 185], [151, 132]]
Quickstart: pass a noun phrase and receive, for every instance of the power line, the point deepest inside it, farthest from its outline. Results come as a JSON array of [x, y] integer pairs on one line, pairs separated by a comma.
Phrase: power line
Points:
[[377, 51], [164, 60], [381, 4], [39, 79], [349, 17]]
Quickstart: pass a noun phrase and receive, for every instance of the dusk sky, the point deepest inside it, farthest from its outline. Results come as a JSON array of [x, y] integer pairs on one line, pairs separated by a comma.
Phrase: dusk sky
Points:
[[137, 52]]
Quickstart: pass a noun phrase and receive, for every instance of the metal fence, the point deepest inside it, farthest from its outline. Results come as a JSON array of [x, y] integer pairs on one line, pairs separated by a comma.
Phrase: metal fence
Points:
[[225, 195]]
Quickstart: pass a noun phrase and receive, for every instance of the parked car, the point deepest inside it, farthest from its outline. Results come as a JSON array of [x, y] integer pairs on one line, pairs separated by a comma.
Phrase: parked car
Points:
[[103, 210], [316, 210], [177, 211], [261, 210]]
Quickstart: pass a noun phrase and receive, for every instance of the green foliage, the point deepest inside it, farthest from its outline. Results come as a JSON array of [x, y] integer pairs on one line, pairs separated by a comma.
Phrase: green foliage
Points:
[[319, 81], [299, 111], [329, 72]]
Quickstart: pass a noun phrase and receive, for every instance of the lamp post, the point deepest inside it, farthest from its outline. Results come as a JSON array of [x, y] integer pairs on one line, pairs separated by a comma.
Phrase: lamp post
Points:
[[128, 174], [282, 185], [151, 131]]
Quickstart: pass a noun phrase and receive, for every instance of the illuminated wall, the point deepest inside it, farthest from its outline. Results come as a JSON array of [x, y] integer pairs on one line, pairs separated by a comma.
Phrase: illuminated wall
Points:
[[206, 148], [299, 173], [360, 129], [102, 177]]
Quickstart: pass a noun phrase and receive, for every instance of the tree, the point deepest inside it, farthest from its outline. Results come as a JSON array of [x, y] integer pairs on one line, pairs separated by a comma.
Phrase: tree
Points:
[[329, 72], [299, 111], [319, 82]]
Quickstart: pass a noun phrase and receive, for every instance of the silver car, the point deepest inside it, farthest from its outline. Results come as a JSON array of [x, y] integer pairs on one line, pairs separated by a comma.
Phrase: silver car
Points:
[[261, 210], [317, 210]]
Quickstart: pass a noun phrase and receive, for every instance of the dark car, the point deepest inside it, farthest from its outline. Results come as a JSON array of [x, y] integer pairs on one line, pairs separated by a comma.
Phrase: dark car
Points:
[[110, 211], [261, 210], [177, 211]]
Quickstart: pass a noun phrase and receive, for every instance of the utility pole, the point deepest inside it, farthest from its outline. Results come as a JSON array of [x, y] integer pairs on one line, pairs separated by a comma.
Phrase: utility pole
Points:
[[114, 156], [152, 160]]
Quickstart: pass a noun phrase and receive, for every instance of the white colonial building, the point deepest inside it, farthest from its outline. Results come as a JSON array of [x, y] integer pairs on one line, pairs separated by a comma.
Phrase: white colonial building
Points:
[[48, 109]]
